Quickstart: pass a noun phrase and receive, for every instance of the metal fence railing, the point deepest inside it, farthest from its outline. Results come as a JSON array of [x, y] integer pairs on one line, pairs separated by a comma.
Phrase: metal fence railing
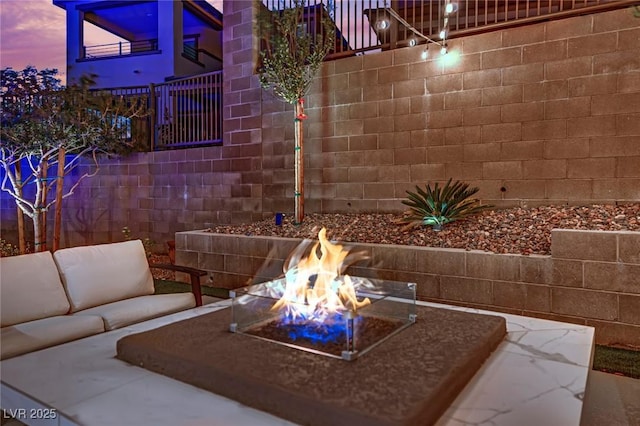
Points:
[[138, 128], [119, 49], [365, 25], [183, 113], [188, 111]]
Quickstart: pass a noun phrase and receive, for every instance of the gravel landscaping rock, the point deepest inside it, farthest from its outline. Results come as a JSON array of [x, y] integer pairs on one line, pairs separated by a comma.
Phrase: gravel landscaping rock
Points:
[[514, 230]]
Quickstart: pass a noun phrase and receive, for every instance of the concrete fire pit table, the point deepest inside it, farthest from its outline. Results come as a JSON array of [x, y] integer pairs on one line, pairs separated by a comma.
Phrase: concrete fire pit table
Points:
[[409, 379]]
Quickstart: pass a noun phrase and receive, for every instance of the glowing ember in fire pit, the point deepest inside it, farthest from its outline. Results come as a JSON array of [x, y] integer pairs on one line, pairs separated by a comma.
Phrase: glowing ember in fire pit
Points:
[[316, 307]]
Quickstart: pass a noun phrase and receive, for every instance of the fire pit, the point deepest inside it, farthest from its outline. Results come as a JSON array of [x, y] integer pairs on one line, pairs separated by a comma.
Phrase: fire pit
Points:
[[317, 308], [418, 358]]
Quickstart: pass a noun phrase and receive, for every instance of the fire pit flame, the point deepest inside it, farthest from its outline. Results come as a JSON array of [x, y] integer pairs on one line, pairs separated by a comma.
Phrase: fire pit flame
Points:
[[315, 289], [316, 307]]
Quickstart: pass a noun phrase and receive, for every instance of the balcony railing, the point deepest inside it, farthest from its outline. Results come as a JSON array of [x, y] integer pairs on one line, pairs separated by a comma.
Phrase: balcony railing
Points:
[[191, 50], [367, 25], [190, 47], [120, 49]]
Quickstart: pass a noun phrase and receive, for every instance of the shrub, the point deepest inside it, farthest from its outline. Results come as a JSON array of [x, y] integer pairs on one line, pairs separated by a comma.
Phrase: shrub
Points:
[[8, 249], [440, 205]]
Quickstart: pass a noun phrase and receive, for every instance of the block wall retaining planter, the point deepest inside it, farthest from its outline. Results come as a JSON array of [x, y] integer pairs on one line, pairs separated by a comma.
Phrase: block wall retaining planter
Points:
[[590, 278]]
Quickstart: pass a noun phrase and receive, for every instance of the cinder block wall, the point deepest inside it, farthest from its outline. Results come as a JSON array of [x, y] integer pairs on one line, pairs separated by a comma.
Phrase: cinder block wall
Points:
[[548, 113], [591, 277]]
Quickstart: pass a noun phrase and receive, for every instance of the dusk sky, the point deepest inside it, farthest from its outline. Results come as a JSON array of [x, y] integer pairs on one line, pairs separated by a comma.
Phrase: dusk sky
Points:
[[33, 32]]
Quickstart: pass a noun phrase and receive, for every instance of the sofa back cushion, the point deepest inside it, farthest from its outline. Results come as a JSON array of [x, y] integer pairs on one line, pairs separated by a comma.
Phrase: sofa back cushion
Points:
[[105, 273], [30, 289]]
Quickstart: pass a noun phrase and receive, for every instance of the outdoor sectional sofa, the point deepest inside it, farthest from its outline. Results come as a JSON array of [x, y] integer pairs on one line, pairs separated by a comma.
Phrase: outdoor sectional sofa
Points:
[[48, 299]]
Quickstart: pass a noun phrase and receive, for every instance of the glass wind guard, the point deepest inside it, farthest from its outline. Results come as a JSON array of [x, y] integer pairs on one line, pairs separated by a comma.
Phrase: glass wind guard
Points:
[[381, 309]]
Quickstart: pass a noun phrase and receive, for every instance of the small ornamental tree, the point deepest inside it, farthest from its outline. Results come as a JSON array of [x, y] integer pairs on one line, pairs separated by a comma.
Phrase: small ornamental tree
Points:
[[47, 127], [291, 55], [19, 90]]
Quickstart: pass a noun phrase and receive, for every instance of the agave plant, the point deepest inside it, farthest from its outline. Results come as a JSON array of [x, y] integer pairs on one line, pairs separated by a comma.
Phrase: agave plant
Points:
[[440, 205]]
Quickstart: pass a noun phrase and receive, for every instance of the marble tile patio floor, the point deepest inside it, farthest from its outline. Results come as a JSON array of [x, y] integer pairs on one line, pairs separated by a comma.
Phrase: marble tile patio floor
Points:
[[610, 400]]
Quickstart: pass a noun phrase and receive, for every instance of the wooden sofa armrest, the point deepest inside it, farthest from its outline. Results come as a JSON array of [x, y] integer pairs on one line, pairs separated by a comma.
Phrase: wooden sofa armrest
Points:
[[194, 273]]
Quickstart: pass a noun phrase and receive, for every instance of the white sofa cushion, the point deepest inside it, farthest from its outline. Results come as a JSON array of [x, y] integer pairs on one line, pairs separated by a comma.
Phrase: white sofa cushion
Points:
[[105, 273], [131, 311], [30, 289], [34, 335]]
